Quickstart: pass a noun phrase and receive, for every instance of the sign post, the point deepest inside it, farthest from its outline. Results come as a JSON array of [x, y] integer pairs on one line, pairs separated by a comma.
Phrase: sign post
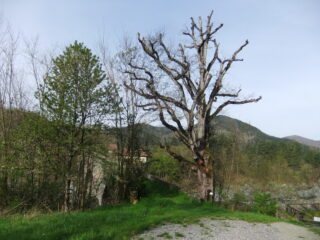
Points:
[[316, 219]]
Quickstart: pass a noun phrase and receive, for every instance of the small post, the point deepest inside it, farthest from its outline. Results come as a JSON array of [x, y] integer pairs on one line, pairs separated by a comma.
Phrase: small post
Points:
[[133, 196], [209, 195]]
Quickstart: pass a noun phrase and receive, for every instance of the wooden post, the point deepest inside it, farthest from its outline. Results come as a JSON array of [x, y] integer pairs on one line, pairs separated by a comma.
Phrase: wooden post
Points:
[[133, 196]]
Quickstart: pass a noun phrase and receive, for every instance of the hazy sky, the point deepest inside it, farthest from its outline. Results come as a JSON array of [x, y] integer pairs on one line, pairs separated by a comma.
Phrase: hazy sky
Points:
[[282, 61]]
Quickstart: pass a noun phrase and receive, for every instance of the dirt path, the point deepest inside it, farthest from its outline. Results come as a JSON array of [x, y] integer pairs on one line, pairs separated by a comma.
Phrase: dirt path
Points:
[[208, 229], [290, 231]]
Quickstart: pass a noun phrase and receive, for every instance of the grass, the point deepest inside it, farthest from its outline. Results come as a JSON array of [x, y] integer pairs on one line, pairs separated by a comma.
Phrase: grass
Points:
[[165, 235], [311, 214], [179, 235], [119, 222]]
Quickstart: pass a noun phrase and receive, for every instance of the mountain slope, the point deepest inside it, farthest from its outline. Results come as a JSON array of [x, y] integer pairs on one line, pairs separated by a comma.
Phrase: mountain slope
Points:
[[304, 141], [231, 126], [221, 125], [251, 152]]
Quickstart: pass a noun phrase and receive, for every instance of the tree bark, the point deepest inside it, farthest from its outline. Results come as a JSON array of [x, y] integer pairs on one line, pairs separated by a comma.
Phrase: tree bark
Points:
[[66, 201]]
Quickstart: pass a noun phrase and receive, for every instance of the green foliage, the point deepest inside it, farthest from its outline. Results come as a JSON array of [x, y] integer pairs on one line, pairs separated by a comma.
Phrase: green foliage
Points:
[[263, 204], [43, 152], [165, 235], [179, 235], [264, 159], [164, 166], [240, 150], [158, 189], [294, 153], [118, 222], [76, 97], [76, 85], [238, 199]]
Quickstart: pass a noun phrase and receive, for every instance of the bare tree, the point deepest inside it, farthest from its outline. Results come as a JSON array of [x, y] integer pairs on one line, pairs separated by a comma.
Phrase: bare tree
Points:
[[12, 101], [128, 121], [39, 64], [185, 87]]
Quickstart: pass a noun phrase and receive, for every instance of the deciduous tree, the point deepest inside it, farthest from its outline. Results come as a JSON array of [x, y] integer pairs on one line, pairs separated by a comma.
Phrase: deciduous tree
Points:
[[185, 87], [76, 96]]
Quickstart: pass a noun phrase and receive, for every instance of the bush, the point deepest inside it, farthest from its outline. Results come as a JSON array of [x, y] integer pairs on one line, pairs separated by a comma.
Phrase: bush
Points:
[[264, 204], [239, 200], [164, 166]]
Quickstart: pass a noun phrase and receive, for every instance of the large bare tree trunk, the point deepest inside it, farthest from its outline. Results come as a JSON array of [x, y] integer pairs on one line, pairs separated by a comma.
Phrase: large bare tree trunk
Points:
[[204, 185], [205, 176]]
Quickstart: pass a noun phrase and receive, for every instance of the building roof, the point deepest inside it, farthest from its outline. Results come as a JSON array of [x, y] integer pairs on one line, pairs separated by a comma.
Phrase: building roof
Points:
[[114, 148]]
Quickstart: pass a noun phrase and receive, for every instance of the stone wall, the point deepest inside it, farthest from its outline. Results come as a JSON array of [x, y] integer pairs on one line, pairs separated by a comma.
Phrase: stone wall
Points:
[[283, 193]]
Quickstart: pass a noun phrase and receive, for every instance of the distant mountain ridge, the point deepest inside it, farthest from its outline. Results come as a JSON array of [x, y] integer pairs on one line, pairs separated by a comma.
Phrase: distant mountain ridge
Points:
[[304, 141], [230, 126], [255, 146]]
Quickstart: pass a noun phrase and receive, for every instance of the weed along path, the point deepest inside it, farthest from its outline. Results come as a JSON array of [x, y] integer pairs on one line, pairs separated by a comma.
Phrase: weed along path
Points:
[[207, 229]]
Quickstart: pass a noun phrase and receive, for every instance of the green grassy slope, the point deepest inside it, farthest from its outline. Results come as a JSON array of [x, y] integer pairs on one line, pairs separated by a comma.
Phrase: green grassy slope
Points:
[[119, 222]]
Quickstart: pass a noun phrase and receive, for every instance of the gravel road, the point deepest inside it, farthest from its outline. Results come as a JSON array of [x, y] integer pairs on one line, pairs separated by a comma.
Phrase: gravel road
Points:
[[229, 230]]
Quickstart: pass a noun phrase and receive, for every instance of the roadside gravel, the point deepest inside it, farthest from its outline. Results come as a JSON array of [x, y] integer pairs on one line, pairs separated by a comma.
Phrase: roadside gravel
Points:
[[208, 229]]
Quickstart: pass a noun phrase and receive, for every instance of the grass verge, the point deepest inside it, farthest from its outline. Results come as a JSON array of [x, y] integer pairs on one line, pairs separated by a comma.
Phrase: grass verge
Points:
[[119, 222]]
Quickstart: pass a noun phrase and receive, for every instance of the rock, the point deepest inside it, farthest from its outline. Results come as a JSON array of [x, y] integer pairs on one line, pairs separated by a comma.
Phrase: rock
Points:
[[311, 193]]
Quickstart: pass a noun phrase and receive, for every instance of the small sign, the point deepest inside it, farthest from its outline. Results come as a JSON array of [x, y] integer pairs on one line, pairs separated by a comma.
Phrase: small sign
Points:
[[316, 219]]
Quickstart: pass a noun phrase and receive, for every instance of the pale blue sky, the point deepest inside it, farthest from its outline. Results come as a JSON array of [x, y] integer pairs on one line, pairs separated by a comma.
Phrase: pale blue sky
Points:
[[281, 62]]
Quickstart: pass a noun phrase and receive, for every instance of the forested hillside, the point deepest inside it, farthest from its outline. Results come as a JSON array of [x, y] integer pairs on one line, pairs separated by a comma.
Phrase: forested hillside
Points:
[[244, 152], [305, 141]]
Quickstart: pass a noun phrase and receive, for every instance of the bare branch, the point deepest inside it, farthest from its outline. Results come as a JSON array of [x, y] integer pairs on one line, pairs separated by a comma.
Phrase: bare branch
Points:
[[219, 109], [189, 70], [176, 156]]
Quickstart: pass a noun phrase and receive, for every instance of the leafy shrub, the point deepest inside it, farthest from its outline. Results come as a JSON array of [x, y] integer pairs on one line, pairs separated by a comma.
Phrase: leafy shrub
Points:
[[264, 204], [238, 200], [164, 166]]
